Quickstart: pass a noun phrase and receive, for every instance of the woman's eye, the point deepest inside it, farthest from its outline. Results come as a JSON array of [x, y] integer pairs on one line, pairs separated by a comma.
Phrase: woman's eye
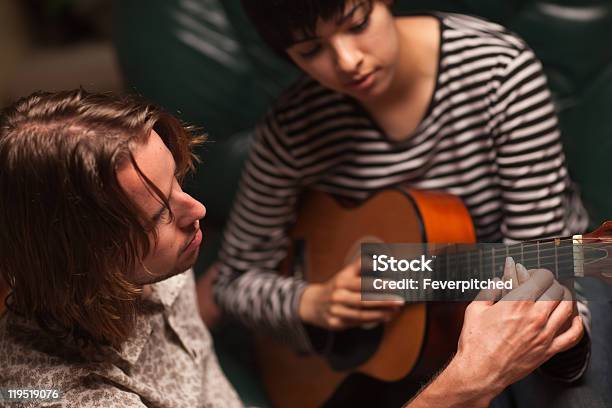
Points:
[[310, 52], [361, 26]]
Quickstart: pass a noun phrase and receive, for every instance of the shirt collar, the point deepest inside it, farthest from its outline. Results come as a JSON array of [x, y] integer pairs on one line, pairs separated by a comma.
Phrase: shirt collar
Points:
[[166, 291], [163, 293]]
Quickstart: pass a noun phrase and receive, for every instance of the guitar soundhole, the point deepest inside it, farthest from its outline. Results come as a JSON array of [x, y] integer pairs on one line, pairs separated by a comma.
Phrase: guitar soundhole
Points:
[[353, 347]]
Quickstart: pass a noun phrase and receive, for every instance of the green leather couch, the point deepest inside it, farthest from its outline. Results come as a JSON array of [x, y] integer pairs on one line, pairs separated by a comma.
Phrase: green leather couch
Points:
[[201, 60]]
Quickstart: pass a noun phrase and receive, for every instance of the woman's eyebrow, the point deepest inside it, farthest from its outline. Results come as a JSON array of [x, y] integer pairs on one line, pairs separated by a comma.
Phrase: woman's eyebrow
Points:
[[351, 12], [339, 21], [303, 40]]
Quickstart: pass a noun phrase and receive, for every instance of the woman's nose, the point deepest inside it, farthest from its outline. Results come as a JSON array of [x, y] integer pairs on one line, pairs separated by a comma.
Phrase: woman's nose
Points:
[[348, 56]]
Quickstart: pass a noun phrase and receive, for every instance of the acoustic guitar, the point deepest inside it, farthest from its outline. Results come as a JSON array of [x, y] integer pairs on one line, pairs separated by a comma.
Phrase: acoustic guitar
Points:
[[421, 339]]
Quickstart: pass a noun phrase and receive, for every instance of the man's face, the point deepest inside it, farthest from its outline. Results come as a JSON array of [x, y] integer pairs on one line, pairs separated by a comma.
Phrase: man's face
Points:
[[355, 54], [179, 239]]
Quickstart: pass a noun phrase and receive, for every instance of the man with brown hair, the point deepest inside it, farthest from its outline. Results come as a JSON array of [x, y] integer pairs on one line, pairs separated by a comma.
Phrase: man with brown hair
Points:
[[96, 232]]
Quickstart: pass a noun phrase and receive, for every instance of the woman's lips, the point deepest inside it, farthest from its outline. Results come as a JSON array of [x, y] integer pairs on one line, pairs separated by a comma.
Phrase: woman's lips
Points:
[[363, 82]]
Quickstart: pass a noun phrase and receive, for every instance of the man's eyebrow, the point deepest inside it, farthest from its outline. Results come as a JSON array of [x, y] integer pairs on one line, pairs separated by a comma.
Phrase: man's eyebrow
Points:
[[163, 207], [340, 21]]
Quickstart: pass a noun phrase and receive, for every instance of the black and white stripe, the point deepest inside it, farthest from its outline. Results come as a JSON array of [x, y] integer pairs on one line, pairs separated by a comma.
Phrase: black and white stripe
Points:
[[490, 137]]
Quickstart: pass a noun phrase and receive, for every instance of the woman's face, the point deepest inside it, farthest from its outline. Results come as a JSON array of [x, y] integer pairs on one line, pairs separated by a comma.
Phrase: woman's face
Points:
[[355, 53]]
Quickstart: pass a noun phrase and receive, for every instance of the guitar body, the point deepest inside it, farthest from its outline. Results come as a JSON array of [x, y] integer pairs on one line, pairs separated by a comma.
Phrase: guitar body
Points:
[[417, 342]]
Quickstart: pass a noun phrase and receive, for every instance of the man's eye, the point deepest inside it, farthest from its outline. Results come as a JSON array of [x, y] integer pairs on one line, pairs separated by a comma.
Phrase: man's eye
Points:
[[310, 52], [163, 216], [361, 26]]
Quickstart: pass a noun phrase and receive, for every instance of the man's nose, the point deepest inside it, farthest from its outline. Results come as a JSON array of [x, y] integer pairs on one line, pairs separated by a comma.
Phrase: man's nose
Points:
[[348, 55], [191, 211]]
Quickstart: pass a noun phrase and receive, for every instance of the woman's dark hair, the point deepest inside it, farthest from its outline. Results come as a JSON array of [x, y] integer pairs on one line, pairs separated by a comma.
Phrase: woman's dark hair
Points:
[[277, 21]]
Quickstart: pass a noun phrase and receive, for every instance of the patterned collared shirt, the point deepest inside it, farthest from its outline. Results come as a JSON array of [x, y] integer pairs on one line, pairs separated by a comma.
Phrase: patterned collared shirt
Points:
[[168, 362]]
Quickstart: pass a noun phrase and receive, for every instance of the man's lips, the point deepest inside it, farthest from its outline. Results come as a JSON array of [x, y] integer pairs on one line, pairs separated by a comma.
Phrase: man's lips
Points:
[[195, 241]]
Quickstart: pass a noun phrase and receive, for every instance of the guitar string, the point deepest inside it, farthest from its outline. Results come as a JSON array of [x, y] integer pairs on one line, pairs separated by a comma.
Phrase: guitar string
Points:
[[487, 260], [597, 243], [503, 254], [529, 252], [511, 247]]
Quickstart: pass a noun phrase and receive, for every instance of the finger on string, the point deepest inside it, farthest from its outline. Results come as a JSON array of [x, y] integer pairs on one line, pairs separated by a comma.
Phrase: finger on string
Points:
[[561, 313], [538, 283], [352, 283], [522, 273], [352, 269], [568, 338], [509, 274], [490, 295], [549, 300], [356, 299], [554, 293]]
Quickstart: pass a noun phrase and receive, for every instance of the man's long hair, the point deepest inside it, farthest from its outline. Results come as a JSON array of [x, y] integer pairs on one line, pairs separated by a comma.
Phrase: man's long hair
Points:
[[69, 234]]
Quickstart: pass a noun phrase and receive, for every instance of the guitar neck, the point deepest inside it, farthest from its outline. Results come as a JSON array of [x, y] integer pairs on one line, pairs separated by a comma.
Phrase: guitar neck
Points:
[[565, 257]]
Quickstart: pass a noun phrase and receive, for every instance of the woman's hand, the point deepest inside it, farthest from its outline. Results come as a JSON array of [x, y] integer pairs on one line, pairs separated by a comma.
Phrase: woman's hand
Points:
[[337, 305], [206, 304]]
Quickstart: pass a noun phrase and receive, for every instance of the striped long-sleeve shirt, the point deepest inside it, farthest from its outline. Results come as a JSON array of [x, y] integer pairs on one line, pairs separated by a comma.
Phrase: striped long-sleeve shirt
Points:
[[490, 136]]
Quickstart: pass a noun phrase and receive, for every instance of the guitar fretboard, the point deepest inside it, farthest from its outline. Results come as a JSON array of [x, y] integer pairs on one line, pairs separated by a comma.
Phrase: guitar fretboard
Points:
[[480, 262], [484, 261]]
